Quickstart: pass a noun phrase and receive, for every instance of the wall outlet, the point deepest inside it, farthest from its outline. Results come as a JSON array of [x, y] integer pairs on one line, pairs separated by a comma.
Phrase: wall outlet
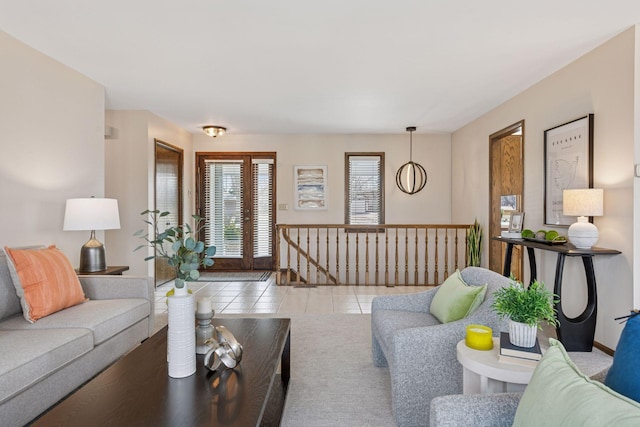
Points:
[[283, 207]]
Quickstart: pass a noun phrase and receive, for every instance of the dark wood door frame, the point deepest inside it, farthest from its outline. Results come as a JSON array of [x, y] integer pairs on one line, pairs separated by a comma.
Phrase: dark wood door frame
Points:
[[162, 271], [247, 263], [496, 264]]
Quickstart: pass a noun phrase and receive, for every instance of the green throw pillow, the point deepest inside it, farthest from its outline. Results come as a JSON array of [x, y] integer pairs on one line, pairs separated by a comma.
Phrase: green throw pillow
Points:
[[455, 300], [559, 395]]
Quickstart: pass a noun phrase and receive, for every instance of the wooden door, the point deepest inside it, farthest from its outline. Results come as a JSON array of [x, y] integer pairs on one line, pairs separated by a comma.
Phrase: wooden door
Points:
[[506, 191], [168, 198]]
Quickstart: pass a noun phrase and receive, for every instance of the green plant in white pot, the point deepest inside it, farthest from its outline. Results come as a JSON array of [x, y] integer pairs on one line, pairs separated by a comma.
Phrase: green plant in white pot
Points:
[[526, 308], [179, 246]]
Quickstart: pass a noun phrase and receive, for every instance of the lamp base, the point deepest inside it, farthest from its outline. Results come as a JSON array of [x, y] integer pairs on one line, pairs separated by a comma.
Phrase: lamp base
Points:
[[92, 257], [583, 234]]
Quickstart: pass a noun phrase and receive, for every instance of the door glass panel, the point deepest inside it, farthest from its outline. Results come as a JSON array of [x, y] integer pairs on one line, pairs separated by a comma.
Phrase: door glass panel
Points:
[[223, 207]]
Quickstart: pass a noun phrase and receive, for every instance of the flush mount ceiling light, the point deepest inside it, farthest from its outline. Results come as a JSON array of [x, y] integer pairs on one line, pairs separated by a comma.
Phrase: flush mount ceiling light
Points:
[[214, 131], [411, 176]]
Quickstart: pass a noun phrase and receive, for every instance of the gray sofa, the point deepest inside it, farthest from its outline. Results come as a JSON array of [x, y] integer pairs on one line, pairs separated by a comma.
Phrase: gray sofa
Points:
[[420, 351], [43, 362]]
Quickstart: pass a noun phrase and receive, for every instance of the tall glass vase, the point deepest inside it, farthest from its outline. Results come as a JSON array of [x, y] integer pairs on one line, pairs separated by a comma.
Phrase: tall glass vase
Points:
[[181, 341]]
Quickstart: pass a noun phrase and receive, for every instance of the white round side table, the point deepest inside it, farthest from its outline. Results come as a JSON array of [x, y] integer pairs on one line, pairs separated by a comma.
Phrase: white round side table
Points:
[[483, 373]]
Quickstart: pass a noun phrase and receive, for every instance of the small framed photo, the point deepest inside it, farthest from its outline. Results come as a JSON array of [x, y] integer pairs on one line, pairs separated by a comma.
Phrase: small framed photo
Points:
[[515, 223]]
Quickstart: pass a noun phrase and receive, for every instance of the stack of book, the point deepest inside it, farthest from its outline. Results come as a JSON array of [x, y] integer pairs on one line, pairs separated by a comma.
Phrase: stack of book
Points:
[[515, 355]]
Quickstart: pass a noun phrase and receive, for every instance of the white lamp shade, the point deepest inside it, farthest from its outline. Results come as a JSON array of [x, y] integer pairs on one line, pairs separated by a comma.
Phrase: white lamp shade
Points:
[[91, 214], [582, 202]]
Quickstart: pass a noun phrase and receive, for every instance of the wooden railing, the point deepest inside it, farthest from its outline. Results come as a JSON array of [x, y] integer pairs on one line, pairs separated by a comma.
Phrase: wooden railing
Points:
[[388, 255]]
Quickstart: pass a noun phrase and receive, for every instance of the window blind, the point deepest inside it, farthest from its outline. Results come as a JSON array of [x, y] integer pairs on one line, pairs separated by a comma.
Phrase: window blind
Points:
[[223, 206], [364, 189], [262, 206]]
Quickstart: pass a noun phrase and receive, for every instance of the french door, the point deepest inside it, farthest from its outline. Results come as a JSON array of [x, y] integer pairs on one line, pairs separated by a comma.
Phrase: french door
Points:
[[236, 194]]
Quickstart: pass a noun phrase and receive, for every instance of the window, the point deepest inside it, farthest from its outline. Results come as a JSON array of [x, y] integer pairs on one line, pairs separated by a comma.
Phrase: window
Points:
[[364, 188]]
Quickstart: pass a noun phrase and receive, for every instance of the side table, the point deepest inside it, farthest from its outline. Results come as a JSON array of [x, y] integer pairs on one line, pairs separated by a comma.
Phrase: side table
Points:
[[115, 270], [483, 373]]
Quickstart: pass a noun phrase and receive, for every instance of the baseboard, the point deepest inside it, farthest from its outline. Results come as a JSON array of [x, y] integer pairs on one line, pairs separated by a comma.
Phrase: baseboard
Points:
[[603, 348]]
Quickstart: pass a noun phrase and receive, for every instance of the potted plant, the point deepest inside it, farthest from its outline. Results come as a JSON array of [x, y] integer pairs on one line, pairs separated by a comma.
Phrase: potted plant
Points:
[[474, 244], [526, 309], [179, 246]]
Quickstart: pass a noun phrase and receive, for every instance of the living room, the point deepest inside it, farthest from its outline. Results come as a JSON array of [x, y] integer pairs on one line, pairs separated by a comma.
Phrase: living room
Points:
[[53, 119]]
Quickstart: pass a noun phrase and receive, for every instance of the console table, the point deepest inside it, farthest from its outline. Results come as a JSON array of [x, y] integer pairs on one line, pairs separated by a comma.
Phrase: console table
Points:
[[576, 334]]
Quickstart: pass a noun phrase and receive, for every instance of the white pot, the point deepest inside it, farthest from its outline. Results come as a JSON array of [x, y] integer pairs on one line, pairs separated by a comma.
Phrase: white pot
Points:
[[522, 335]]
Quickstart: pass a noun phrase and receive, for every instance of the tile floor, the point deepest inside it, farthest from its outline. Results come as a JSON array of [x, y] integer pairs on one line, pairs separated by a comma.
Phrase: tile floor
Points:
[[267, 297]]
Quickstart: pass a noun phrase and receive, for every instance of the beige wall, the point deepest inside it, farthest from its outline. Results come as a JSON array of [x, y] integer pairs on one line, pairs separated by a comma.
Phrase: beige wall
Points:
[[431, 205], [636, 182], [131, 179], [129, 163], [601, 82], [52, 121]]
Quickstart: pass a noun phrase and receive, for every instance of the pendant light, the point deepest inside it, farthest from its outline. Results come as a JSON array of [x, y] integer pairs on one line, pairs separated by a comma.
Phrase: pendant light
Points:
[[411, 176]]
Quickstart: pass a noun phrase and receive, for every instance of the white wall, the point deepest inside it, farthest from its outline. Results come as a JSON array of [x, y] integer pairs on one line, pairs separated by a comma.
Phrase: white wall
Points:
[[52, 121], [131, 179], [433, 151], [601, 82]]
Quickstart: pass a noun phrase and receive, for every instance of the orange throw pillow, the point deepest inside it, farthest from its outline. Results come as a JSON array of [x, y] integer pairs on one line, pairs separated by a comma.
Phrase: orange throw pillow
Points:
[[44, 280]]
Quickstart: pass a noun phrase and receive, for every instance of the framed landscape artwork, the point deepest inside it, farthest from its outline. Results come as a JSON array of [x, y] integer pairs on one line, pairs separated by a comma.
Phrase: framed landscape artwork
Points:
[[568, 164], [310, 187]]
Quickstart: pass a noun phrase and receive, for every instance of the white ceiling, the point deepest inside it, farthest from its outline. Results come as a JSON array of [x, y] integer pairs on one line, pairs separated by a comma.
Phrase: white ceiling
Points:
[[324, 66]]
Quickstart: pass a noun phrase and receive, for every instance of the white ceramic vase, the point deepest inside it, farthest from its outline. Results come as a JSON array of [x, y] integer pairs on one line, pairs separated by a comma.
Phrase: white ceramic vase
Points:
[[181, 336], [522, 335]]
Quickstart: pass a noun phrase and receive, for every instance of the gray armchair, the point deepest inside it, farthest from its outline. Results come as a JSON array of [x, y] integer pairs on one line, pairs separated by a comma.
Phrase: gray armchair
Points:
[[420, 351], [476, 410]]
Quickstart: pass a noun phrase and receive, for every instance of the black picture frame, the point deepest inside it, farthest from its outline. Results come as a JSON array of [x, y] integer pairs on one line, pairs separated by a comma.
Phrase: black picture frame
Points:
[[568, 164]]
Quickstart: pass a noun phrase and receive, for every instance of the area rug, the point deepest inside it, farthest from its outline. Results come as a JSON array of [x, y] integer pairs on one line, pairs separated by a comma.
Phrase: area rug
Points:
[[333, 380], [238, 276]]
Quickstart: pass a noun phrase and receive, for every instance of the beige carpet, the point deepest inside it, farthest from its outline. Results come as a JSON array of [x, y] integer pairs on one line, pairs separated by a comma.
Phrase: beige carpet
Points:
[[333, 380]]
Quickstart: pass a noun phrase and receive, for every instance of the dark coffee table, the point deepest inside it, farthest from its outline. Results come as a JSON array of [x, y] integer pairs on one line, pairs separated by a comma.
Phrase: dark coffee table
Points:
[[136, 390]]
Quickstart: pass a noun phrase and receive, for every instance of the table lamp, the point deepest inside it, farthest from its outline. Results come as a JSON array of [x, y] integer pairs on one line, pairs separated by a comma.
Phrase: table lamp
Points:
[[91, 214], [583, 203]]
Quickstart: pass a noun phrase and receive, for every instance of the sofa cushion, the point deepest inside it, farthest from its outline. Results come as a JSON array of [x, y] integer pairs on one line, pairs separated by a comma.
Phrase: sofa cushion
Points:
[[44, 280], [559, 394], [455, 299], [9, 301], [29, 356], [105, 318], [624, 375]]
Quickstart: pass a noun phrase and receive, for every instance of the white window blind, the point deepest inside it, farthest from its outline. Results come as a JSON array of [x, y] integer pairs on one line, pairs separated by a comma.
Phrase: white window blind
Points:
[[365, 189], [167, 183], [262, 207], [223, 206]]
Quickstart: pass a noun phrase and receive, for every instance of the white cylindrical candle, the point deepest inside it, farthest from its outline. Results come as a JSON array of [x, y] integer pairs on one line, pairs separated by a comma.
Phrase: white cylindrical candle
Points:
[[204, 305]]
